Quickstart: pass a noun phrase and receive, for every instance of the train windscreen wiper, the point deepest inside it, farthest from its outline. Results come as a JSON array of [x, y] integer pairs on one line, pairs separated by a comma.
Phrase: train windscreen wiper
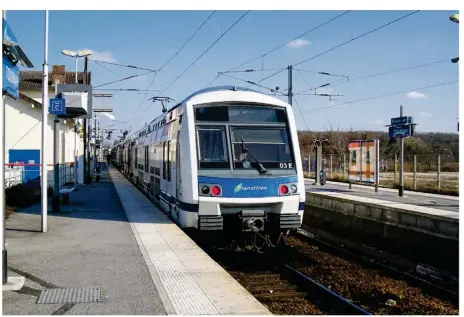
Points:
[[259, 167]]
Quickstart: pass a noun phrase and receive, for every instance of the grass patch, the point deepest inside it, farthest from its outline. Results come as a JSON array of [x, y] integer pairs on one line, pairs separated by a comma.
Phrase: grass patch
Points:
[[447, 187]]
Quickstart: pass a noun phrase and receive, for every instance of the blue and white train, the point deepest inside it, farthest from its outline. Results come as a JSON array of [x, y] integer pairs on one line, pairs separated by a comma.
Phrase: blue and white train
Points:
[[225, 160]]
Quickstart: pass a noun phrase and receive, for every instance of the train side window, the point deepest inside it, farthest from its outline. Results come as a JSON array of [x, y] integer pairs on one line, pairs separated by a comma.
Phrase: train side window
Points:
[[164, 160], [169, 161], [146, 159]]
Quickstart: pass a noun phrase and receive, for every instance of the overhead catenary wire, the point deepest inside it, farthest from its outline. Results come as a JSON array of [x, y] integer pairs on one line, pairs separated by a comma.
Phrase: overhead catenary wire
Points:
[[202, 54], [299, 109], [319, 72], [379, 96], [172, 57], [253, 83], [346, 42], [205, 51], [358, 37], [293, 39], [304, 79], [123, 79], [282, 45], [101, 65], [343, 81], [122, 65], [251, 70]]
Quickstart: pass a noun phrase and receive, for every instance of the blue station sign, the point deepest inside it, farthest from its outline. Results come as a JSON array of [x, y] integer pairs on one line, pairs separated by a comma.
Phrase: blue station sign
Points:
[[12, 55], [401, 120], [57, 106], [402, 131]]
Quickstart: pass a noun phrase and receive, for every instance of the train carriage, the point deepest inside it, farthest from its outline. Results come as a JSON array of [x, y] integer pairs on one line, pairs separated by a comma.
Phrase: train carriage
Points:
[[225, 160]]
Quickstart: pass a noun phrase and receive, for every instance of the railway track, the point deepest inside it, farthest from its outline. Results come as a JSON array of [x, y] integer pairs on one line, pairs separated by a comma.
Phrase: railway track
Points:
[[281, 287], [297, 280], [431, 281]]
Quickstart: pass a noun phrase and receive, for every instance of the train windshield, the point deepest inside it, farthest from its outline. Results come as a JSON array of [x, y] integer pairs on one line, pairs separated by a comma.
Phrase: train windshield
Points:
[[269, 146], [240, 137]]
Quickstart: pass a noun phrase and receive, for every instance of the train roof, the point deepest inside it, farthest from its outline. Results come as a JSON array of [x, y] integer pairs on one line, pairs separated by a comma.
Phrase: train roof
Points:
[[196, 93], [214, 89]]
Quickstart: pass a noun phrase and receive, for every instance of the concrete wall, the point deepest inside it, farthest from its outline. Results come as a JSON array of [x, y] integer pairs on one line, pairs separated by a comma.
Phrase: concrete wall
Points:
[[23, 130], [443, 224], [424, 234]]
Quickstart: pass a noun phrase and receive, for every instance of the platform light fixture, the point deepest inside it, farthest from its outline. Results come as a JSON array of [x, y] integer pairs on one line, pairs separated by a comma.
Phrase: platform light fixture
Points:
[[76, 56]]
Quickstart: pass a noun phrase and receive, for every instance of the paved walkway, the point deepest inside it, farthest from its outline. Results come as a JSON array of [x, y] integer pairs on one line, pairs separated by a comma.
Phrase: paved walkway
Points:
[[89, 244]]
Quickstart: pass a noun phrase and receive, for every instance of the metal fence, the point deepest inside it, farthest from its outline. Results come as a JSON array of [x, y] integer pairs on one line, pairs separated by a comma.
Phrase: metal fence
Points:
[[18, 173], [436, 172], [13, 175]]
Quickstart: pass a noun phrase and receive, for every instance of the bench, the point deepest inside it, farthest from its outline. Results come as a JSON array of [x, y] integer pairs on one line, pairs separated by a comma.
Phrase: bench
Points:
[[64, 192]]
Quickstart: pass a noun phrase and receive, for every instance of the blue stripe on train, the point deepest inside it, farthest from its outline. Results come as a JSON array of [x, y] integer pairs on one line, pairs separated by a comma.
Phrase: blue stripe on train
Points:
[[182, 205], [249, 187]]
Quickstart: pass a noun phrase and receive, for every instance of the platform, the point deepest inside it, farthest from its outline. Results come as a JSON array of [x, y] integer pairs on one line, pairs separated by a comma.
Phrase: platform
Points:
[[188, 280], [435, 201], [90, 246], [392, 221]]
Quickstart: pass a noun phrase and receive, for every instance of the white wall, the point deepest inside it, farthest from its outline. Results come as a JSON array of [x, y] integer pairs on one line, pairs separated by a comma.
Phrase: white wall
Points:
[[23, 130]]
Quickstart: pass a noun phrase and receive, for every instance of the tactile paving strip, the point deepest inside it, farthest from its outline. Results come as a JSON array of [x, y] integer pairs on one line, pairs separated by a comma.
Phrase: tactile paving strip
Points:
[[186, 297], [70, 295]]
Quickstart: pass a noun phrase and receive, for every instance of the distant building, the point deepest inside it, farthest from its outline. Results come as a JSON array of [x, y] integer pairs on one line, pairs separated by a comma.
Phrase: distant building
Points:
[[23, 121]]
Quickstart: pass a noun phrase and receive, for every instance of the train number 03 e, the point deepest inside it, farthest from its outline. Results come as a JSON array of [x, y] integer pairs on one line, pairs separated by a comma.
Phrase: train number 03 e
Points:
[[286, 165]]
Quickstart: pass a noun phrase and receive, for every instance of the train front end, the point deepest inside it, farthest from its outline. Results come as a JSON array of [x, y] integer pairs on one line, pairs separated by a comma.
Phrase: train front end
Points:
[[250, 179]]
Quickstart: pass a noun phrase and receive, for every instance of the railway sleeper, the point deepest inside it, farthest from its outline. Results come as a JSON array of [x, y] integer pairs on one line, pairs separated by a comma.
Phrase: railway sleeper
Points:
[[277, 295], [264, 276], [280, 287], [262, 283]]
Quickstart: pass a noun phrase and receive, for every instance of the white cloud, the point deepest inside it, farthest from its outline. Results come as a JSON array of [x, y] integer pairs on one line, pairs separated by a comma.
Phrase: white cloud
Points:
[[298, 43], [101, 56], [425, 114], [415, 95], [109, 115]]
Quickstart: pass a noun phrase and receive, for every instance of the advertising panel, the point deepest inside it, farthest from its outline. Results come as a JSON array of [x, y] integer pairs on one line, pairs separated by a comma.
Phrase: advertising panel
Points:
[[363, 161]]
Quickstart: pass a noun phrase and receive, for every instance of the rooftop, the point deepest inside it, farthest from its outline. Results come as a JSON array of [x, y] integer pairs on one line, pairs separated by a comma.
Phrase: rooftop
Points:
[[32, 79]]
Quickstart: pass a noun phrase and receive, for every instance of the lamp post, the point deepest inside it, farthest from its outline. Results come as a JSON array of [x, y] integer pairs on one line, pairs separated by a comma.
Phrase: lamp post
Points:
[[76, 56], [455, 18]]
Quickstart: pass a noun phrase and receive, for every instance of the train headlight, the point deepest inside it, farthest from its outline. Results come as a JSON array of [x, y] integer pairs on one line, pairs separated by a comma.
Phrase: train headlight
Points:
[[288, 189], [204, 190], [215, 190], [293, 189], [283, 190], [210, 190]]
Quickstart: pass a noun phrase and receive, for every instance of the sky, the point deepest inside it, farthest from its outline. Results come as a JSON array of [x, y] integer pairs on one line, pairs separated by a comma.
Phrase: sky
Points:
[[148, 39]]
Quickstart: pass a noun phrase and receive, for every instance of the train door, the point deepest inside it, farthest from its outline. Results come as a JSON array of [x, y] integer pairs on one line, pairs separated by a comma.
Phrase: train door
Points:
[[178, 171], [129, 158], [152, 157], [146, 167], [164, 181]]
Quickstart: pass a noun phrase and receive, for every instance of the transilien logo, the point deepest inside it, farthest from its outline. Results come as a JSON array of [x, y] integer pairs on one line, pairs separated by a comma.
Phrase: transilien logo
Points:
[[240, 187]]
